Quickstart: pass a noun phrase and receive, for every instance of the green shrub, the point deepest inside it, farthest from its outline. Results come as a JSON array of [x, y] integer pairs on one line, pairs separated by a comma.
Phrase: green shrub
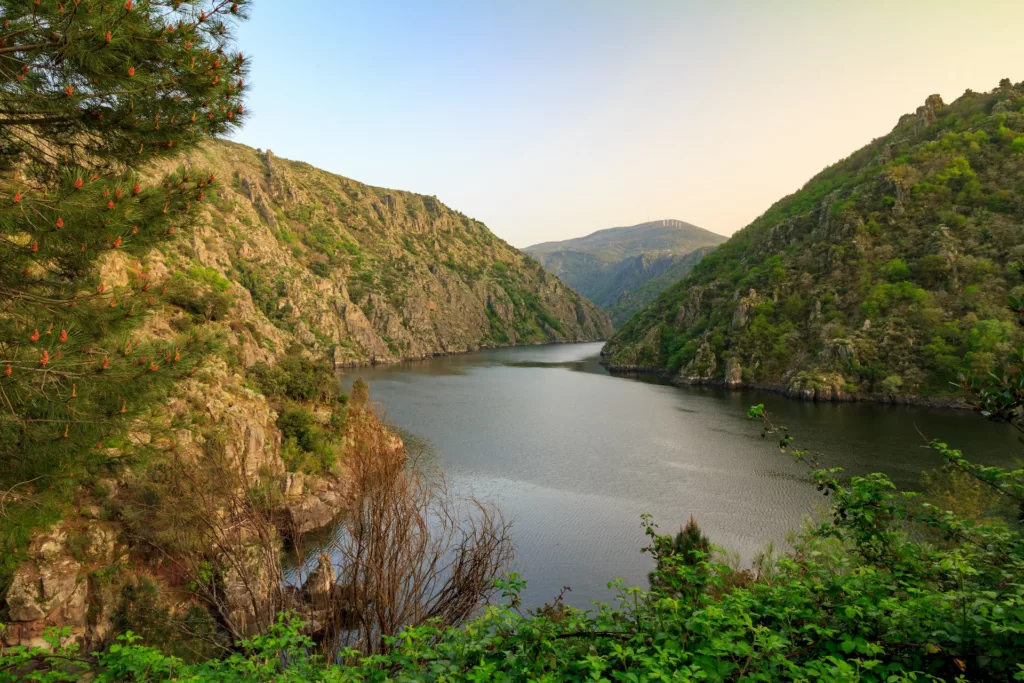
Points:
[[199, 299], [298, 378]]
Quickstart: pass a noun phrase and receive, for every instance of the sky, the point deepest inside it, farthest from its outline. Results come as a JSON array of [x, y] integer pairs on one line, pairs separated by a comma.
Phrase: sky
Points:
[[550, 119]]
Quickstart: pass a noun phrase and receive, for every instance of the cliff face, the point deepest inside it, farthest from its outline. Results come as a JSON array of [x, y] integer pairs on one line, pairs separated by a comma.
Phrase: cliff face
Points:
[[887, 275], [623, 269], [374, 274], [283, 260]]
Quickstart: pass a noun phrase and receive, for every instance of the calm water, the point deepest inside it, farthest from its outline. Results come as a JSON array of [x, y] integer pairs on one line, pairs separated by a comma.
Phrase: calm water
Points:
[[574, 455]]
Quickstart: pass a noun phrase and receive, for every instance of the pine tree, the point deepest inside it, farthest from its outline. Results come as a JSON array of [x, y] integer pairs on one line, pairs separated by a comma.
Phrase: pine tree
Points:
[[92, 93], [691, 544]]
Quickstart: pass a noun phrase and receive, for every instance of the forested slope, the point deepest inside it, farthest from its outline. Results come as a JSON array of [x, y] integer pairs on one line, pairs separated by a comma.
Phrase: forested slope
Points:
[[623, 269], [887, 274]]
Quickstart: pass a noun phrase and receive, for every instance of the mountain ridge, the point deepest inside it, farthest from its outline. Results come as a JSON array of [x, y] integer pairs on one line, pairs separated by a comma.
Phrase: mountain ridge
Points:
[[603, 265], [371, 274], [884, 277]]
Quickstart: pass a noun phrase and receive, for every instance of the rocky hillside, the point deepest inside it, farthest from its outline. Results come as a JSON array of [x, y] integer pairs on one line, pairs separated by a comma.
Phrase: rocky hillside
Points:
[[285, 265], [623, 269], [886, 275], [376, 275]]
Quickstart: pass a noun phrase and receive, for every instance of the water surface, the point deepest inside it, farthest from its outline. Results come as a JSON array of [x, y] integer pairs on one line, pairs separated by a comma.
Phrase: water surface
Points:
[[574, 455]]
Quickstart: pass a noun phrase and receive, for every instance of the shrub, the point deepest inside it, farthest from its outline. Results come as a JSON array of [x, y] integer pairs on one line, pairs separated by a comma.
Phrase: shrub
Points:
[[298, 378]]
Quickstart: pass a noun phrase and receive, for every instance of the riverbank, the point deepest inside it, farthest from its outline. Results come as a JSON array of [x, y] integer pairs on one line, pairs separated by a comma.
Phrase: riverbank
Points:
[[574, 456], [941, 402], [384, 362]]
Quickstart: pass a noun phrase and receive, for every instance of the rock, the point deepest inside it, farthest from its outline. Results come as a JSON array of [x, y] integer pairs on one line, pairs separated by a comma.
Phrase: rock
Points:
[[733, 373], [322, 580], [742, 314], [293, 484], [308, 514], [839, 351], [702, 367], [24, 601]]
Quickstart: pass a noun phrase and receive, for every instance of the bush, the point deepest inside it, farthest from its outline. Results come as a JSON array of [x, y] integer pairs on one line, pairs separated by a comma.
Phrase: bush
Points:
[[298, 378], [198, 299]]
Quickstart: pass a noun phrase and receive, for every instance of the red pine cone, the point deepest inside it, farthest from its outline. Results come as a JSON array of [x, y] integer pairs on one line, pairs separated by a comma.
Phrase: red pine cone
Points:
[[128, 5], [45, 358], [131, 71], [106, 362], [35, 337], [60, 223], [63, 336], [110, 205], [107, 37], [8, 370], [69, 91], [17, 197], [136, 188], [117, 242], [78, 183]]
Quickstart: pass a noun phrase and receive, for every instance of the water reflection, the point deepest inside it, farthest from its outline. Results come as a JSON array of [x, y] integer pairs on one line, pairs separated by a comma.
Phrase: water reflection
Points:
[[574, 455]]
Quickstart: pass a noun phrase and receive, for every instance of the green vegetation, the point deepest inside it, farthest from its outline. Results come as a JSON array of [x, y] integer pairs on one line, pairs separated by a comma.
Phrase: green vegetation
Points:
[[887, 273], [318, 250], [638, 282], [624, 269], [75, 210], [885, 587], [312, 411]]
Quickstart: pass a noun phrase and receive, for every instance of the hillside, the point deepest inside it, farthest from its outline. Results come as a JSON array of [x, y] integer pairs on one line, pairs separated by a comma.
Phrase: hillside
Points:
[[377, 275], [886, 275], [623, 269], [284, 269]]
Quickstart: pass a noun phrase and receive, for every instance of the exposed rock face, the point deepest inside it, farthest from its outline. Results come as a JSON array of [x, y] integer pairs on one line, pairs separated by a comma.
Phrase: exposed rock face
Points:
[[702, 367], [373, 275], [733, 373], [742, 314], [52, 589], [872, 279]]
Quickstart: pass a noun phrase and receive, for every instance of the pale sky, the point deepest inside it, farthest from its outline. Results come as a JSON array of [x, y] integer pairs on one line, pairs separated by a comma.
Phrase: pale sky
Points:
[[550, 119]]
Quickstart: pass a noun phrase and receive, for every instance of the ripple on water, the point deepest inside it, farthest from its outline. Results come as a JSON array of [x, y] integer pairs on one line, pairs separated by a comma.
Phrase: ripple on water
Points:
[[574, 455]]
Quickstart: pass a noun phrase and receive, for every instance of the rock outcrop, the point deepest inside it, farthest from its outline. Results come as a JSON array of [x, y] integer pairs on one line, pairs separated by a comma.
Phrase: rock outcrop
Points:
[[885, 277]]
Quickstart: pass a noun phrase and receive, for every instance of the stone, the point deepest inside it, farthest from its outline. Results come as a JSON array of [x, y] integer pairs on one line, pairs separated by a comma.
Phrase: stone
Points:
[[733, 373], [308, 514], [293, 484], [322, 580]]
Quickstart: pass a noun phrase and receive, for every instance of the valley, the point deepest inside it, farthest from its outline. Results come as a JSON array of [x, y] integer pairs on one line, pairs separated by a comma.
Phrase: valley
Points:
[[260, 421], [624, 269]]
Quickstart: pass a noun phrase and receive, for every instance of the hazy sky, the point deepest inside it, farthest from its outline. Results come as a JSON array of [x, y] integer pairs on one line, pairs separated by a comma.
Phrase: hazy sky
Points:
[[549, 119]]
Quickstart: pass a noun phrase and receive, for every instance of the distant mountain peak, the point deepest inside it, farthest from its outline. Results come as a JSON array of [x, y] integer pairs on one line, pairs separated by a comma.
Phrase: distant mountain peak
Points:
[[621, 269]]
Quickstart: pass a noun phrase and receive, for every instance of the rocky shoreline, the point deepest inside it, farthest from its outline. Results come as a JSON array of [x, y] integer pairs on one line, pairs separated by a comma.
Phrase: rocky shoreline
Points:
[[795, 394]]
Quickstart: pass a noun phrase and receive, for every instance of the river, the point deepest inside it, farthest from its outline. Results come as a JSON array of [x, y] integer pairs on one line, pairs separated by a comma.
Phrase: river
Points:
[[574, 455]]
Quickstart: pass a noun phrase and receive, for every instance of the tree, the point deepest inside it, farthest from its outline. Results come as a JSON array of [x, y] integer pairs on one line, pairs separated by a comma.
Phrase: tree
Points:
[[91, 94]]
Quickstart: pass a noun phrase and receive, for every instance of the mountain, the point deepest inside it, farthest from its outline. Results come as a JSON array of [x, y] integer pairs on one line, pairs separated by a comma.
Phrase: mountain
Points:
[[374, 274], [623, 269], [287, 273], [638, 281], [886, 275]]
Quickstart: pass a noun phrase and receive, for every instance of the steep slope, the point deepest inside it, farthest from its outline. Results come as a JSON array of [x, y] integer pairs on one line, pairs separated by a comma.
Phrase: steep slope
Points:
[[886, 275], [285, 268], [622, 269], [377, 275], [638, 281]]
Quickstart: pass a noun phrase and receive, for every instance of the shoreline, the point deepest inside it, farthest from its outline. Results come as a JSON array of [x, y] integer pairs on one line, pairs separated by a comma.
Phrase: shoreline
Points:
[[349, 364], [935, 402]]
